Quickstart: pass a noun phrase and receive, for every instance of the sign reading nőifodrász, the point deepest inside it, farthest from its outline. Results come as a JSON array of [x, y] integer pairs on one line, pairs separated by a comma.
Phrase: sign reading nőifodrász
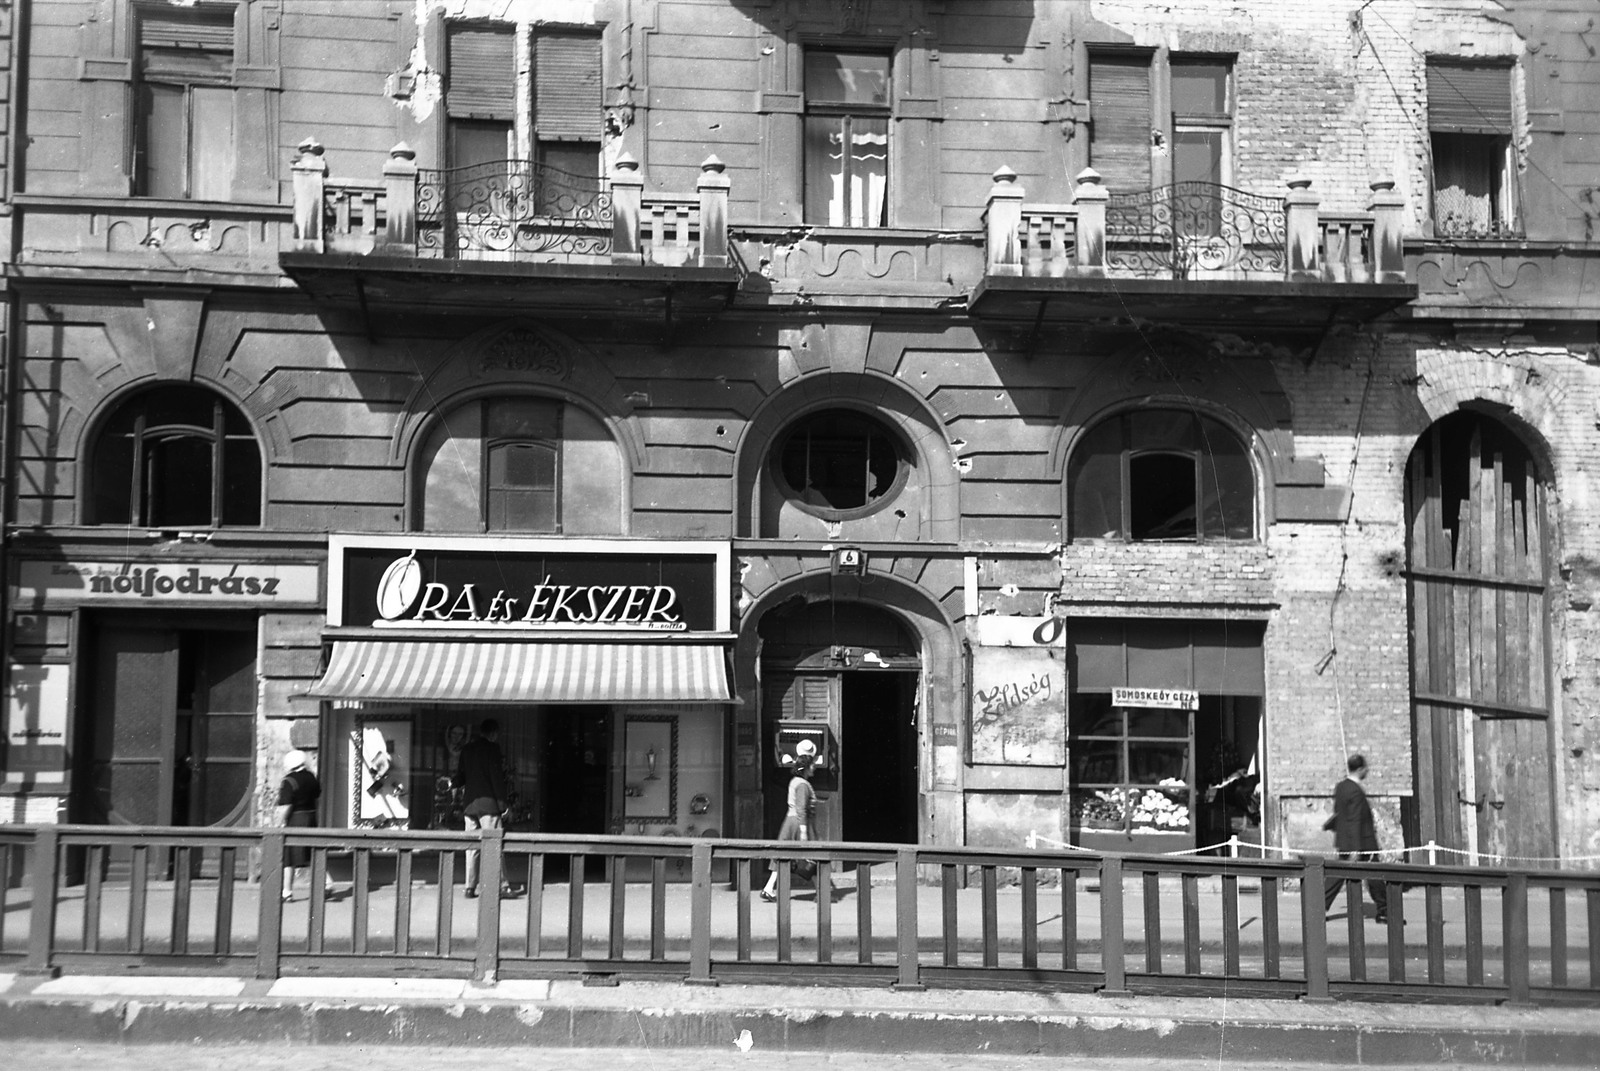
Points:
[[209, 583]]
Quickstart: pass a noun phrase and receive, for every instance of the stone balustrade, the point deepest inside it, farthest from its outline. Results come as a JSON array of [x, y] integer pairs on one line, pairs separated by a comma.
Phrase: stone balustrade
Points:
[[512, 210], [1192, 230]]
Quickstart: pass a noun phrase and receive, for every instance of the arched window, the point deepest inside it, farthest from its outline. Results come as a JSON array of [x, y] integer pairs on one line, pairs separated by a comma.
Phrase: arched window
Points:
[[1161, 475], [520, 465], [176, 457]]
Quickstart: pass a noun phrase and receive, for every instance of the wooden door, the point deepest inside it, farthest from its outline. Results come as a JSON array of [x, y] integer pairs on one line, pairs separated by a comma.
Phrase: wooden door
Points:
[[223, 733], [132, 724], [1477, 594]]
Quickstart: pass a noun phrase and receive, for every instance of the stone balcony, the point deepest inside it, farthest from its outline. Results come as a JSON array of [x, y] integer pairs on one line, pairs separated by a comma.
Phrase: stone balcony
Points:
[[1196, 252], [530, 238]]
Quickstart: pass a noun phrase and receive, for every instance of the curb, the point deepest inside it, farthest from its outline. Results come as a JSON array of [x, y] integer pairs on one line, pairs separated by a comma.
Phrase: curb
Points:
[[1370, 1036]]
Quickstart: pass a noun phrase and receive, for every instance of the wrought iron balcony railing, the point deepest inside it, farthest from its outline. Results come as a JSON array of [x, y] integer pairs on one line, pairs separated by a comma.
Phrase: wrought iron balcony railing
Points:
[[1193, 227], [1192, 230], [511, 207]]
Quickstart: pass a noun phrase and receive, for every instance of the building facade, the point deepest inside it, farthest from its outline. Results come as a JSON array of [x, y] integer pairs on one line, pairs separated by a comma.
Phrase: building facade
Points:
[[1083, 420]]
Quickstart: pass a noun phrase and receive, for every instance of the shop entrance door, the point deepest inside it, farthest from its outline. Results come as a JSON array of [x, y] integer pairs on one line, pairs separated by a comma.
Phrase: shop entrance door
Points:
[[167, 736], [575, 769]]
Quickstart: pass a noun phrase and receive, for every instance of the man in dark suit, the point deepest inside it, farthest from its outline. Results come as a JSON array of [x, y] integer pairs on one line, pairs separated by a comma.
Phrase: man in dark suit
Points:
[[480, 771], [1354, 833]]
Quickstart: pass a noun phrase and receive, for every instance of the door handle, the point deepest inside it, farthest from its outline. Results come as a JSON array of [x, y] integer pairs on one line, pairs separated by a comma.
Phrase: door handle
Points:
[[1477, 804]]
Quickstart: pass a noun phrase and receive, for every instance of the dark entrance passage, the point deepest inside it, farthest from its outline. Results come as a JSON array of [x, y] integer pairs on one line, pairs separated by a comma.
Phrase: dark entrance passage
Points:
[[878, 757], [850, 670]]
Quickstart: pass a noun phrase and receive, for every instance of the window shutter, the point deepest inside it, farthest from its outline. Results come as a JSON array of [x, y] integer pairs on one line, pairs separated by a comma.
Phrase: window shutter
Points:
[[567, 99], [1469, 98], [206, 30], [799, 696], [1121, 119], [185, 46], [482, 74]]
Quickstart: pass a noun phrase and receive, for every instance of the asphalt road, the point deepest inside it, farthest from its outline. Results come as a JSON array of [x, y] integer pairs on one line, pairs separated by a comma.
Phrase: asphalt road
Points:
[[65, 1057]]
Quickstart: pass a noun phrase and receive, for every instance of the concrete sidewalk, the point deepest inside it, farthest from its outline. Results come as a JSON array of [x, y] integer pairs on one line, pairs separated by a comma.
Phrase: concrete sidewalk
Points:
[[193, 1010]]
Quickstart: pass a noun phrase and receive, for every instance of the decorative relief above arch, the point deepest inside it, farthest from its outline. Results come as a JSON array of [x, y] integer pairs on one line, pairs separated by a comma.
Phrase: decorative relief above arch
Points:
[[521, 354]]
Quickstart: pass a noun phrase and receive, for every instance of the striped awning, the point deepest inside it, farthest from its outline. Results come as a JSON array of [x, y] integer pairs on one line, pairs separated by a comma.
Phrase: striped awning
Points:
[[391, 671]]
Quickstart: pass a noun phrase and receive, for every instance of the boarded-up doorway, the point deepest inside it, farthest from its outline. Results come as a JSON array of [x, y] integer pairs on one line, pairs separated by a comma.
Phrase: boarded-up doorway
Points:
[[1477, 556]]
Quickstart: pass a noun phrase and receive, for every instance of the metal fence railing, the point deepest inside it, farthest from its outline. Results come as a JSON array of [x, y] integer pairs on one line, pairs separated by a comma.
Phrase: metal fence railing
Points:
[[100, 899]]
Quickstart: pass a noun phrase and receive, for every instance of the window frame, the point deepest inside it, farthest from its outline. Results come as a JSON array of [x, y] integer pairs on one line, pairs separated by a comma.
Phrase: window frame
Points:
[[1129, 450], [814, 108], [527, 137], [422, 464], [794, 496], [1219, 123], [187, 82], [1501, 171], [142, 436]]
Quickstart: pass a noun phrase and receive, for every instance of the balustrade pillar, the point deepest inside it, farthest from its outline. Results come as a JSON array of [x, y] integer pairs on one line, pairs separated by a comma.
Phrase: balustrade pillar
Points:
[[310, 172], [1301, 230], [1003, 222], [713, 188], [1388, 223], [1090, 197], [627, 190], [400, 201]]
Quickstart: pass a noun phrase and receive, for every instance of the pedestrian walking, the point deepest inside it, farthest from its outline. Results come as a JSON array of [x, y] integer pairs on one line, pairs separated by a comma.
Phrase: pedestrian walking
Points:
[[797, 821], [298, 794], [1354, 834], [480, 771]]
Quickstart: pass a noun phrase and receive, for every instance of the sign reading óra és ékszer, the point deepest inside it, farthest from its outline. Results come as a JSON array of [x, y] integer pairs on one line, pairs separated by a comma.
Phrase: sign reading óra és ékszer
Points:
[[41, 582], [1160, 698], [505, 583]]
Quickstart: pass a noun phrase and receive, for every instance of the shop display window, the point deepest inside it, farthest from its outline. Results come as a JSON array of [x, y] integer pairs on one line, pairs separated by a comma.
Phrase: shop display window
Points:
[[1131, 769], [653, 769], [1164, 778]]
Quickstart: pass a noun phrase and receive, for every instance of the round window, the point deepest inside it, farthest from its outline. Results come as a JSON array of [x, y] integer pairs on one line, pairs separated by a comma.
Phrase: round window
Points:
[[839, 462]]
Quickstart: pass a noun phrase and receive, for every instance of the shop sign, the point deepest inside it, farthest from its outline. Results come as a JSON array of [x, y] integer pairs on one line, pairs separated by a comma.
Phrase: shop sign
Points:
[[508, 584], [1019, 706], [210, 583], [1157, 698], [36, 721]]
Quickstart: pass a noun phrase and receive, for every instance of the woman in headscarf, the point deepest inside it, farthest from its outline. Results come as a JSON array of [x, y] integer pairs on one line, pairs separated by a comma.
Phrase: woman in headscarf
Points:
[[297, 809]]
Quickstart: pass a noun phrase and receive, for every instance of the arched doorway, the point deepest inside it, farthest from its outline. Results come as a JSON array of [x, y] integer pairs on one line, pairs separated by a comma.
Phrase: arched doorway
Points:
[[1477, 590], [852, 669]]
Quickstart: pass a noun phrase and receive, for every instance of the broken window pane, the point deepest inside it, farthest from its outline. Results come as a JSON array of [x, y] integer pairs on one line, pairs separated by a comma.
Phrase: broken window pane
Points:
[[1162, 505], [839, 461], [156, 463]]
